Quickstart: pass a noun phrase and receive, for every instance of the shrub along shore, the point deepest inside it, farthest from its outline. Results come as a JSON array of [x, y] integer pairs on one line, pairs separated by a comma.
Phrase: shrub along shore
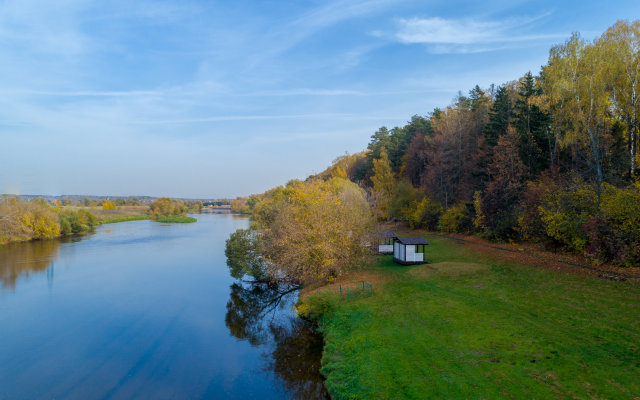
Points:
[[477, 324]]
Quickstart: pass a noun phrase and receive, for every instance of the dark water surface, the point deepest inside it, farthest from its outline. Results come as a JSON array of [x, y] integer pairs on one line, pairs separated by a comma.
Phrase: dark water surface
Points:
[[148, 310]]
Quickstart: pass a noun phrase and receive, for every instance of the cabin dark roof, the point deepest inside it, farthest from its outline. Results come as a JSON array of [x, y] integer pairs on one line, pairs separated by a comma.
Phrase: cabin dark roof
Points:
[[413, 240], [388, 235]]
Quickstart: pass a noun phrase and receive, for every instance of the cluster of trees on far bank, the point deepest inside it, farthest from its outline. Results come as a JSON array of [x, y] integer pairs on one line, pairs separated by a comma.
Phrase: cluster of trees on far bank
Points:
[[549, 158], [28, 220], [170, 210]]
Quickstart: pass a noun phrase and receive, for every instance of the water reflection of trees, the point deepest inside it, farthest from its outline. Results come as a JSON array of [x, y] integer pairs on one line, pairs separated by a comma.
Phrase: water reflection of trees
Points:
[[296, 359], [22, 259], [251, 308], [261, 314]]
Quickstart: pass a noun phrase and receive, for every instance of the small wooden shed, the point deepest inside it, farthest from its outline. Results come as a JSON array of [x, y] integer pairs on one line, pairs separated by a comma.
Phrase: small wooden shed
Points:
[[409, 251], [385, 242]]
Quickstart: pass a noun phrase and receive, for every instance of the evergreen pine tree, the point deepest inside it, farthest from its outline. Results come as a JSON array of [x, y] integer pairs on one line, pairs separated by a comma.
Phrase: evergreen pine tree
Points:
[[531, 123], [499, 117]]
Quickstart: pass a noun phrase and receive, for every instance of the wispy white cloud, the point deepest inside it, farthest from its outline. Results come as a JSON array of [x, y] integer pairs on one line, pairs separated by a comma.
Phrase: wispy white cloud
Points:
[[439, 30], [468, 35], [292, 33]]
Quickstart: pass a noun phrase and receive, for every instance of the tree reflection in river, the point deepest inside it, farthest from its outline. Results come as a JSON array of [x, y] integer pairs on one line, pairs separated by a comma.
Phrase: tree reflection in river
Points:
[[261, 314], [34, 256], [21, 259]]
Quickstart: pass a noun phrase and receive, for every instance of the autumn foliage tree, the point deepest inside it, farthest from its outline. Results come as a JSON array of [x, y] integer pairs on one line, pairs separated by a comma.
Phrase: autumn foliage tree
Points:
[[305, 232], [497, 206], [383, 185], [108, 205], [620, 46], [28, 220], [165, 206]]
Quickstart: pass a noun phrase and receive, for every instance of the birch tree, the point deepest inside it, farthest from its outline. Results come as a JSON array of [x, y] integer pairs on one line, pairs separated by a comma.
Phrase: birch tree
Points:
[[620, 45], [383, 185], [576, 90]]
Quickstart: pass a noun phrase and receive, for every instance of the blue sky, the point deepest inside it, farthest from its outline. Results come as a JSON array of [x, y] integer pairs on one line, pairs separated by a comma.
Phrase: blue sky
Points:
[[223, 98]]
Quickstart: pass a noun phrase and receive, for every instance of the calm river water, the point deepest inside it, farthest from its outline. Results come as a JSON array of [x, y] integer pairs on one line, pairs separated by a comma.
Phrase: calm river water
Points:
[[148, 310]]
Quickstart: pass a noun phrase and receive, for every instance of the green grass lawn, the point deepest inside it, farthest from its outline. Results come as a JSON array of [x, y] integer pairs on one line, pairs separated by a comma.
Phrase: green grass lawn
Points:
[[470, 326], [124, 218], [176, 219]]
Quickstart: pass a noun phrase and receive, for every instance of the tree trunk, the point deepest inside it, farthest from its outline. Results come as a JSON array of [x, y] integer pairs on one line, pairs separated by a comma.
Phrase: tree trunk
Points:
[[595, 150], [632, 148]]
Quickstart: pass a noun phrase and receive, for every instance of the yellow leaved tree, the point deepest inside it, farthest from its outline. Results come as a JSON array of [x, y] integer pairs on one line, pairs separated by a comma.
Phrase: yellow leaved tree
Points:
[[383, 185], [307, 232]]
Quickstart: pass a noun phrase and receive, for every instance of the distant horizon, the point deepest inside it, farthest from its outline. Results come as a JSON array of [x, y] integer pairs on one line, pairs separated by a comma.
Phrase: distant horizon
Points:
[[116, 196], [192, 97]]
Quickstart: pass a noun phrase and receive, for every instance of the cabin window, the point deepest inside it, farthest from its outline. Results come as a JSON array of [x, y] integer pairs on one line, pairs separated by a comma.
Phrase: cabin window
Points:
[[420, 248]]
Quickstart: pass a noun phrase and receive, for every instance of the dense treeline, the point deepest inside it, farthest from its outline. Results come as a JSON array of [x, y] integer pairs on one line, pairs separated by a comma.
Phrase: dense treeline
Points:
[[550, 158]]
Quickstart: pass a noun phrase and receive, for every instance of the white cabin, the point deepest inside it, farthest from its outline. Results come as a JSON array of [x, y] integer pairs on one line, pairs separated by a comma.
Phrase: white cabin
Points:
[[385, 242], [408, 251]]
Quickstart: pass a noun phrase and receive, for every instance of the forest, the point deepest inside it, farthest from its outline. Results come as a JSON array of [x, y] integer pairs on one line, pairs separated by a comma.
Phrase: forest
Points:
[[550, 158]]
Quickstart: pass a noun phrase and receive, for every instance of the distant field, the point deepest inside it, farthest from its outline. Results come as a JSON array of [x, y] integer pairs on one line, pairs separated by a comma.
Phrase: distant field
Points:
[[472, 325]]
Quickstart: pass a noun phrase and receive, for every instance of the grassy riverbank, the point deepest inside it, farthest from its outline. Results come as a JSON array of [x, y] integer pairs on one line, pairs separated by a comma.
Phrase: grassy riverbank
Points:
[[474, 324], [118, 214], [176, 219], [125, 218]]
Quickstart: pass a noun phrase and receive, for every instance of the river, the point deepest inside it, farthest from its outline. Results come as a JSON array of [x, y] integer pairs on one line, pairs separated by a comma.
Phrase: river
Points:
[[148, 310]]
